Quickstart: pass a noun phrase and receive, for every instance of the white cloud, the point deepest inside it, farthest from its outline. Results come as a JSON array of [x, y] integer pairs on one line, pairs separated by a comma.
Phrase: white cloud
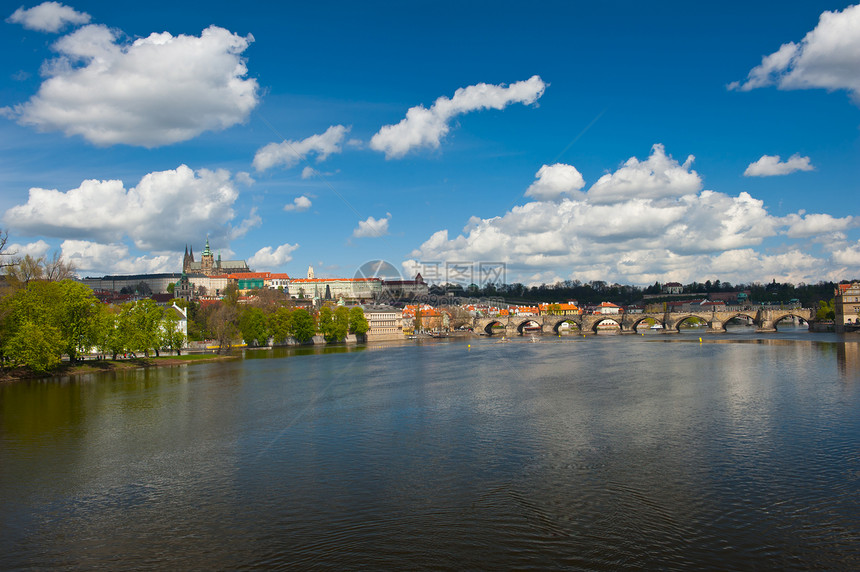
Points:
[[308, 172], [301, 203], [424, 127], [165, 210], [244, 178], [158, 90], [48, 17], [372, 228], [815, 224], [247, 224], [269, 258], [770, 165], [289, 153], [849, 256], [647, 221], [34, 249], [660, 176], [828, 57], [555, 181], [95, 259]]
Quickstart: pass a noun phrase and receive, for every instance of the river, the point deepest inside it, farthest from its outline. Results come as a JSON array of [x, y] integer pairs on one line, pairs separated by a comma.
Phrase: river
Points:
[[651, 451]]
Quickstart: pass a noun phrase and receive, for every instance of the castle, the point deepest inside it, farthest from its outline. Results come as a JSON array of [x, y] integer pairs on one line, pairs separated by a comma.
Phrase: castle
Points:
[[209, 265]]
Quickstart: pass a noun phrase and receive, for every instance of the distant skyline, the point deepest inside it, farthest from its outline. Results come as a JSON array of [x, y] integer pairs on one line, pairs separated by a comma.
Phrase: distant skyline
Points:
[[622, 141]]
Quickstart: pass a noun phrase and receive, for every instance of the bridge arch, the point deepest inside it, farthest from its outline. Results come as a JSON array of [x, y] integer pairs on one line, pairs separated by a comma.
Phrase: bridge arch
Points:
[[789, 315], [745, 317], [647, 319], [573, 324], [527, 323], [675, 325], [615, 319], [488, 329]]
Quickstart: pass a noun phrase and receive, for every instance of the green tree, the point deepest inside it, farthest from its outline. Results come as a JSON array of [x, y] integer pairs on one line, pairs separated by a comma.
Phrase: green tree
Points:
[[252, 325], [826, 310], [140, 323], [357, 321], [302, 326], [78, 318], [35, 347], [340, 323], [326, 324], [280, 325], [110, 337]]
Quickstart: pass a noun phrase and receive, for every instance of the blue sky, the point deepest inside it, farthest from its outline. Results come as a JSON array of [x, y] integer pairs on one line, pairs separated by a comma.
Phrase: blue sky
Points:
[[616, 141]]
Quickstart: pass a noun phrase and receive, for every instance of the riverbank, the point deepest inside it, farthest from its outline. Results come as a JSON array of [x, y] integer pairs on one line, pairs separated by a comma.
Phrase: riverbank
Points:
[[103, 366]]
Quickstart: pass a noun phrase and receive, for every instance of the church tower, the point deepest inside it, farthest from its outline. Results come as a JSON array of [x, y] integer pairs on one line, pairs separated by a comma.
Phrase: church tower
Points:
[[187, 259], [207, 260]]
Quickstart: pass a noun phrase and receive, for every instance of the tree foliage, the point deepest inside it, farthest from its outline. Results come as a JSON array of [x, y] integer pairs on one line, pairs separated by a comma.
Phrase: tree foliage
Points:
[[302, 327], [252, 325], [357, 321]]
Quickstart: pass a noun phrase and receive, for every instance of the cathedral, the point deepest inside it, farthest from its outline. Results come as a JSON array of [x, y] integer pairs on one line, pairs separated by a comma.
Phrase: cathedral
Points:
[[209, 265]]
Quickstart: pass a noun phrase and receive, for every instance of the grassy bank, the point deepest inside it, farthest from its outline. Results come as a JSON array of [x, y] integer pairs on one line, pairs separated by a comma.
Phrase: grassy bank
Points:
[[100, 366]]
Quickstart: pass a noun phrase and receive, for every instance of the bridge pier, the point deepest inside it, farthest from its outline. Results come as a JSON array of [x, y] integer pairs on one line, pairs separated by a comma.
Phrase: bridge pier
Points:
[[716, 327]]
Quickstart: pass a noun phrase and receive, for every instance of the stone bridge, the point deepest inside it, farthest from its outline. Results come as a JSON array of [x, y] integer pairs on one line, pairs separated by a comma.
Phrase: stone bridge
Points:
[[766, 319]]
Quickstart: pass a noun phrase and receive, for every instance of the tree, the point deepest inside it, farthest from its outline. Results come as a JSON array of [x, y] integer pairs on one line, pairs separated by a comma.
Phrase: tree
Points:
[[78, 318], [25, 269], [252, 325], [140, 323], [340, 323], [222, 323], [110, 338], [35, 347], [357, 321], [417, 320], [325, 323], [280, 325], [5, 259], [55, 268], [171, 288], [66, 312], [826, 310], [302, 326]]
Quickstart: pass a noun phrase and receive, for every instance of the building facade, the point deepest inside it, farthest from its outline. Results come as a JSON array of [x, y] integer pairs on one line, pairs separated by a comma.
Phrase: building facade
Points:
[[847, 306]]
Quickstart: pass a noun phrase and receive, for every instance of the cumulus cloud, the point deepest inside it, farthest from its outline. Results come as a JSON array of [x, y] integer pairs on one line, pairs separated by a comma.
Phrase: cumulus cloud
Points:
[[815, 224], [289, 153], [299, 204], [372, 228], [95, 259], [48, 17], [555, 181], [155, 91], [770, 165], [647, 221], [424, 127], [33, 249], [269, 258], [848, 256], [828, 57], [164, 210], [660, 176]]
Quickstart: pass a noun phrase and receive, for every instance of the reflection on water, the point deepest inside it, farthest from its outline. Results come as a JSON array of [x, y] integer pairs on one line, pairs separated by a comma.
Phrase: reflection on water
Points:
[[606, 452]]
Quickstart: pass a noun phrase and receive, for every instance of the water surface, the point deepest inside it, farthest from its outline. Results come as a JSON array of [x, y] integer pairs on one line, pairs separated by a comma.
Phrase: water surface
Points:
[[742, 451]]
